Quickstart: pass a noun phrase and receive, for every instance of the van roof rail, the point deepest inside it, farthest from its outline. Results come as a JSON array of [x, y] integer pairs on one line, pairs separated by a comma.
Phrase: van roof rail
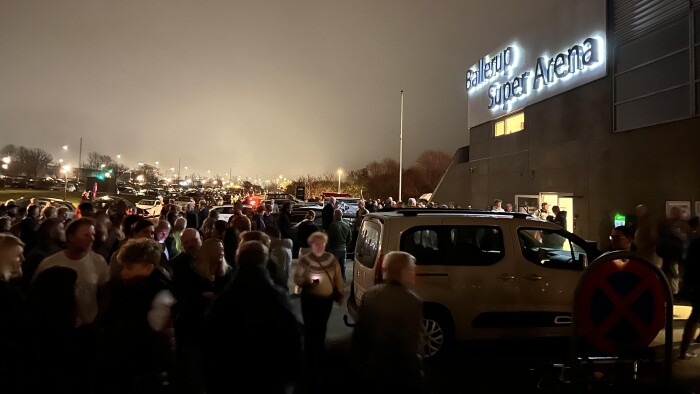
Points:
[[419, 211]]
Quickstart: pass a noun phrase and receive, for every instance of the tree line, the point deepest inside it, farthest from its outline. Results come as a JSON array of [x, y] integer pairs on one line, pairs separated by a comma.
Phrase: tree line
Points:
[[380, 179], [377, 179]]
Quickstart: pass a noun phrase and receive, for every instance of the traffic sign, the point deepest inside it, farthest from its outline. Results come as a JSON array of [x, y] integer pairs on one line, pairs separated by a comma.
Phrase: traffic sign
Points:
[[620, 304]]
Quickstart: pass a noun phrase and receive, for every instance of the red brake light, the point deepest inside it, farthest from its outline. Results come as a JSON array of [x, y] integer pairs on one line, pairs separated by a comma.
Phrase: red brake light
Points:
[[379, 271]]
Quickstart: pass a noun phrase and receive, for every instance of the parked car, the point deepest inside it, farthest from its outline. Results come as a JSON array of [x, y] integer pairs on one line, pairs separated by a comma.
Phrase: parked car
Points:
[[126, 190], [114, 204], [55, 202], [226, 211], [150, 208], [60, 184], [481, 275]]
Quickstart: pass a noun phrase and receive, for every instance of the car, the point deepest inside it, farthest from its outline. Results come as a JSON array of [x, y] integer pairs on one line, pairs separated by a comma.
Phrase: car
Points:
[[126, 190], [60, 184], [42, 201], [114, 204], [181, 201], [481, 275], [150, 208], [226, 211]]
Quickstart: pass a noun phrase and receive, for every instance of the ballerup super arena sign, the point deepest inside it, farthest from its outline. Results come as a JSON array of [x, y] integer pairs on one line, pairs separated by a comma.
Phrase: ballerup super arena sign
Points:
[[509, 79]]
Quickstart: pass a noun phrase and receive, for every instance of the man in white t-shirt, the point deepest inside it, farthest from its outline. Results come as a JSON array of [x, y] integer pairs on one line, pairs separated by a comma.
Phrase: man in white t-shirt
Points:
[[93, 272]]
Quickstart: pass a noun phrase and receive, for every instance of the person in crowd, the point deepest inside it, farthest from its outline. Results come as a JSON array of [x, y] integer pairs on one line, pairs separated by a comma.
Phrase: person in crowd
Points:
[[412, 203], [191, 217], [85, 210], [5, 225], [646, 236], [28, 227], [52, 238], [203, 213], [622, 238], [178, 228], [195, 287], [274, 208], [142, 228], [388, 339], [543, 212], [284, 220], [63, 214], [327, 213], [239, 221], [672, 234], [93, 273], [252, 340], [339, 238], [305, 228], [184, 262], [52, 314], [509, 207], [91, 291], [559, 217], [219, 230], [12, 315], [258, 219], [139, 354], [691, 286], [162, 235], [318, 274], [498, 206], [49, 212], [208, 225], [102, 226], [281, 255], [231, 241]]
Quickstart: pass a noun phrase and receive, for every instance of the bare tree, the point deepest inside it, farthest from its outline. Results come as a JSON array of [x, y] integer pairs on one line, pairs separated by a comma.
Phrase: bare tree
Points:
[[429, 167], [30, 161], [97, 161]]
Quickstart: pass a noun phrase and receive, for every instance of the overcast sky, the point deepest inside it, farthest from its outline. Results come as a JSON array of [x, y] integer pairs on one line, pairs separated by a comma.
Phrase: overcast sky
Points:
[[262, 87]]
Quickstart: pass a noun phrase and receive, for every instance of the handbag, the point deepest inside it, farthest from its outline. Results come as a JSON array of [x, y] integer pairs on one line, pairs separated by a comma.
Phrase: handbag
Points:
[[337, 295]]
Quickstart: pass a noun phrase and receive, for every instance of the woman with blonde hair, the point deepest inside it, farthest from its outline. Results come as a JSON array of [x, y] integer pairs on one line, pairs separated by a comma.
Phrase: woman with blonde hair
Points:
[[210, 264], [318, 274]]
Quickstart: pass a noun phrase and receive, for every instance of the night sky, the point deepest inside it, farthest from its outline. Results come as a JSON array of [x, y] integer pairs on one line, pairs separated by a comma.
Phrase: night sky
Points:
[[262, 87]]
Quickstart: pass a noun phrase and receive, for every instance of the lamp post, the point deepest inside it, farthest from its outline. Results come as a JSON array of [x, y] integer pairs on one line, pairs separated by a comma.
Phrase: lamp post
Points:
[[65, 182], [6, 162], [401, 148], [340, 172]]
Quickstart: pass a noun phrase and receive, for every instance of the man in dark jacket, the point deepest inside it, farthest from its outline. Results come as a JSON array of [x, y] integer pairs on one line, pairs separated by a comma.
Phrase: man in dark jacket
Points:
[[388, 337], [327, 213], [252, 340], [339, 239]]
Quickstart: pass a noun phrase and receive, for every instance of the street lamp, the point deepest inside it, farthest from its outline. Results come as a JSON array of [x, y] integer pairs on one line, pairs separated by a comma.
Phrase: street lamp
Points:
[[6, 162], [65, 181], [119, 156], [340, 172], [65, 147]]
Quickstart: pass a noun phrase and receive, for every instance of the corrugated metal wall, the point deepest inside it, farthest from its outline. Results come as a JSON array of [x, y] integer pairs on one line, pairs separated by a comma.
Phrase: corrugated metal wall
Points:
[[633, 18]]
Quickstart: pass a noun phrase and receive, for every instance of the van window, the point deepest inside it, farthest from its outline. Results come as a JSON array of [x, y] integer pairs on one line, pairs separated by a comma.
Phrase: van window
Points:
[[476, 245], [423, 244], [551, 249], [368, 243]]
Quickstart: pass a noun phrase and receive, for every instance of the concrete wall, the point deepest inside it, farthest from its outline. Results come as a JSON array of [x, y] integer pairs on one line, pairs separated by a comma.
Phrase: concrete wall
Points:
[[568, 146]]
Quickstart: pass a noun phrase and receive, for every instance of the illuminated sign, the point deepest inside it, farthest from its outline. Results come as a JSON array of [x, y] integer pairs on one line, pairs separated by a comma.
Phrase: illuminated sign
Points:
[[548, 70]]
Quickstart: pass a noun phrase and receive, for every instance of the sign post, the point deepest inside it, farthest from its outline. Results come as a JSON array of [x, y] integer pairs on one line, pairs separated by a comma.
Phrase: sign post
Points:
[[620, 305]]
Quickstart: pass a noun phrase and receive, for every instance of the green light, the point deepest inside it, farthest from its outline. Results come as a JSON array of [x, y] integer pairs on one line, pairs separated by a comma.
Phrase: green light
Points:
[[619, 220], [101, 176], [110, 171]]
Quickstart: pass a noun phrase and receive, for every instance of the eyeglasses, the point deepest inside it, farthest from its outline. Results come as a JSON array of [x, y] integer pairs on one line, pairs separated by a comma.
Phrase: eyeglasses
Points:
[[618, 237]]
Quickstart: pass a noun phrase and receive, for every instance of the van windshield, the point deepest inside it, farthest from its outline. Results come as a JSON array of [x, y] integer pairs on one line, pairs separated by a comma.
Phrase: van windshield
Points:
[[368, 243]]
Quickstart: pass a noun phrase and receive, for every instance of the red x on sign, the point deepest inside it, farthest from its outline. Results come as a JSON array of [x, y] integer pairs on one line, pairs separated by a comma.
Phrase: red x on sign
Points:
[[620, 306]]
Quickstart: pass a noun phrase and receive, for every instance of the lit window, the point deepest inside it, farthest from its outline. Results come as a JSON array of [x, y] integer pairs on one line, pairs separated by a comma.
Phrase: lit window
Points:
[[499, 128], [509, 125]]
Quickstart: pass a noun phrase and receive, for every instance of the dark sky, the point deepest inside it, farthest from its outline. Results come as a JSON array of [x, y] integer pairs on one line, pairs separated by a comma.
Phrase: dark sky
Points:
[[263, 87]]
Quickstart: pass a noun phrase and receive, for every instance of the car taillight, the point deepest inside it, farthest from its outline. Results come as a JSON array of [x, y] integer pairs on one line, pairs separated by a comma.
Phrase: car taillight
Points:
[[379, 271]]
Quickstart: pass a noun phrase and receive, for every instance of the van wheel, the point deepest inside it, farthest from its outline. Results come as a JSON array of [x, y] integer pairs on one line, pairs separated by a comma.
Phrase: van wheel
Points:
[[436, 335]]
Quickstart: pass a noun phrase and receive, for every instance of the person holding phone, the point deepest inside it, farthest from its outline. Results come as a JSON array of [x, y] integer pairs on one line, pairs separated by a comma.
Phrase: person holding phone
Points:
[[318, 274]]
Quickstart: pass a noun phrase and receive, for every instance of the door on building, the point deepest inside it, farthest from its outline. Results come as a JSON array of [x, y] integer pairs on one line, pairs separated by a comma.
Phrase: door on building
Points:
[[564, 201]]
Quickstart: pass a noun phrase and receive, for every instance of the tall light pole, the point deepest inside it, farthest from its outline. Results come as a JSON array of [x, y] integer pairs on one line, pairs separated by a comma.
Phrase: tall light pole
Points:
[[401, 148], [340, 172]]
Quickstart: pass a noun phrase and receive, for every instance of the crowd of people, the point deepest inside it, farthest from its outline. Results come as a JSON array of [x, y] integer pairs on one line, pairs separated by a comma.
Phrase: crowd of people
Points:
[[185, 303]]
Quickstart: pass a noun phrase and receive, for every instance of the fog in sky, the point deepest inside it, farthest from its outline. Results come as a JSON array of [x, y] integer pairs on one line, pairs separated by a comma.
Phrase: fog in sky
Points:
[[261, 87]]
